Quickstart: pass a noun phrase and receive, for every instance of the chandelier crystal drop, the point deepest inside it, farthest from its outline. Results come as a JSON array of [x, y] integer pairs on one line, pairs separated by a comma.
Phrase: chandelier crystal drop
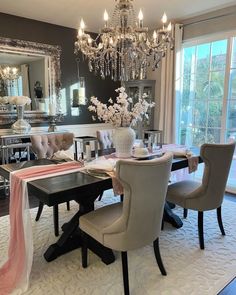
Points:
[[123, 50]]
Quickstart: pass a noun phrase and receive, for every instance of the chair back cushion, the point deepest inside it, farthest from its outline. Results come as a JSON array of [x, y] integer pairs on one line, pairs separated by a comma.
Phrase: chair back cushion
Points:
[[45, 145], [145, 185], [217, 159], [105, 138]]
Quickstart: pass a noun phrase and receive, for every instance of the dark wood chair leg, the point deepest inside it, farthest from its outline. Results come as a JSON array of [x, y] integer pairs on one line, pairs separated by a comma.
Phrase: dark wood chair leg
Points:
[[55, 219], [100, 196], [171, 205], [158, 257], [185, 213], [162, 224], [84, 250], [40, 209], [200, 229], [125, 272], [68, 206], [219, 218]]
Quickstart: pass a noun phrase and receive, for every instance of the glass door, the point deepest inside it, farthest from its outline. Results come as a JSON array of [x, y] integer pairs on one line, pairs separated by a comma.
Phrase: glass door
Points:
[[231, 115], [206, 104], [202, 93]]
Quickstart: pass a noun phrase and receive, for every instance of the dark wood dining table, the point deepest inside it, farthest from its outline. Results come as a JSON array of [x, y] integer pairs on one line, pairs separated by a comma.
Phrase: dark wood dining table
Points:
[[84, 189]]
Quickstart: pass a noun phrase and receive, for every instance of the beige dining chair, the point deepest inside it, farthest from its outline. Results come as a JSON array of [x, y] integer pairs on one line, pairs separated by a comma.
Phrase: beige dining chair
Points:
[[45, 146], [208, 194], [135, 222]]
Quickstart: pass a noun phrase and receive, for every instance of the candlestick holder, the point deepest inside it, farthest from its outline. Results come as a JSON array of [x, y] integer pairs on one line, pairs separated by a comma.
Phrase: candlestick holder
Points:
[[52, 124], [53, 119]]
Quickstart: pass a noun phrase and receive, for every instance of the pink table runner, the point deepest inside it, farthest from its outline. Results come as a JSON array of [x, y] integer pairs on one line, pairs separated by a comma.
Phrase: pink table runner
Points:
[[15, 272]]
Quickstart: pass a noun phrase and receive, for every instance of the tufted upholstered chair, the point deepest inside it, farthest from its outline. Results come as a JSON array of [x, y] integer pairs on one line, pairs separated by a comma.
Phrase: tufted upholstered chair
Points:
[[209, 194], [135, 222], [105, 138], [44, 146]]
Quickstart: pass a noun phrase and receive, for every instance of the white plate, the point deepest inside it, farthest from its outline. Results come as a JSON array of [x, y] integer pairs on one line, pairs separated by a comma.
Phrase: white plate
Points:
[[99, 173], [148, 155]]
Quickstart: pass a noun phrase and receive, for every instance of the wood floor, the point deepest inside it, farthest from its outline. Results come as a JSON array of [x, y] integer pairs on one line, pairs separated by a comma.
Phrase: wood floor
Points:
[[230, 289]]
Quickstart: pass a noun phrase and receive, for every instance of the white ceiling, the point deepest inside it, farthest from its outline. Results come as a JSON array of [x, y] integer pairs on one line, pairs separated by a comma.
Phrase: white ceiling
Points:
[[69, 12]]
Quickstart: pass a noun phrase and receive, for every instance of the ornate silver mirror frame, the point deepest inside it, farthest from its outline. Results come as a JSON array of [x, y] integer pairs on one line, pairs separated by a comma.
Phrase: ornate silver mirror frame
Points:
[[53, 53]]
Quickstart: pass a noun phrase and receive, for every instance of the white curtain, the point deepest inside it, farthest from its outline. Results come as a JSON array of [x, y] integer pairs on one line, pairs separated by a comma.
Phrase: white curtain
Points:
[[167, 93], [25, 81]]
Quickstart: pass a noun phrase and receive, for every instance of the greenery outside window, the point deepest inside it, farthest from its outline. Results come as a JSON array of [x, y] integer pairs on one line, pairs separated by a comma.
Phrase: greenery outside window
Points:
[[206, 93]]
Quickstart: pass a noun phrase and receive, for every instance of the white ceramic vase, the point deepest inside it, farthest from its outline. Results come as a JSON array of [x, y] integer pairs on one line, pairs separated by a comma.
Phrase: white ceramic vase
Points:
[[124, 140], [21, 125]]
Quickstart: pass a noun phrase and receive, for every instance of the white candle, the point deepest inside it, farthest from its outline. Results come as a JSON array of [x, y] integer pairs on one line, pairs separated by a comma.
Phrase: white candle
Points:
[[42, 106], [88, 152], [82, 95], [52, 109]]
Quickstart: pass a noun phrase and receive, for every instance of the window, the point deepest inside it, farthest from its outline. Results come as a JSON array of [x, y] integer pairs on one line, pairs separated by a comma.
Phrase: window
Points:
[[15, 87], [206, 102], [207, 99]]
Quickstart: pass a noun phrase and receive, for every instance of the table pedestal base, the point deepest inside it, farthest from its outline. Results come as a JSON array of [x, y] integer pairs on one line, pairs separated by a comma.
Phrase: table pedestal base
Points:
[[71, 239], [171, 218]]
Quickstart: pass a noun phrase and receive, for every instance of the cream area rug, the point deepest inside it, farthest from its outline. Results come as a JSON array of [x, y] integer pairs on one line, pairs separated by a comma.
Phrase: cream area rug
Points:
[[189, 269]]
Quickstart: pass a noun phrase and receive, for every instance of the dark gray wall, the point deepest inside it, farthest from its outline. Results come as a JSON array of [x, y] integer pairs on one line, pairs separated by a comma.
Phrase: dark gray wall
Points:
[[36, 31]]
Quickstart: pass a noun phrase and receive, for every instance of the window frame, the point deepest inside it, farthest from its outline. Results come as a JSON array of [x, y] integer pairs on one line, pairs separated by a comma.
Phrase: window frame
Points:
[[229, 36]]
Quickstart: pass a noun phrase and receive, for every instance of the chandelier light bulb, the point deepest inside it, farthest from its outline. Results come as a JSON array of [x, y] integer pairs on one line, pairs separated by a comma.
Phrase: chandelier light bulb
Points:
[[154, 35], [140, 15], [140, 18], [105, 16], [80, 32], [164, 18], [82, 24], [169, 27]]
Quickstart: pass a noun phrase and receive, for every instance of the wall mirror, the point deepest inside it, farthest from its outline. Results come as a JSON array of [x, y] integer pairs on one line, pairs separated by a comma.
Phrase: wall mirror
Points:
[[38, 73]]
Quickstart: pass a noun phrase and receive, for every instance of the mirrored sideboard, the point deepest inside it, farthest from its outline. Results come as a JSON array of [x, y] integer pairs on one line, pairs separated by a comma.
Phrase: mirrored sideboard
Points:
[[9, 117]]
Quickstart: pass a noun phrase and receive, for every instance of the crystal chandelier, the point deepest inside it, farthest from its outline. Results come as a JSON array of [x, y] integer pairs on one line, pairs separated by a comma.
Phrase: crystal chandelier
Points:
[[123, 50], [9, 74]]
